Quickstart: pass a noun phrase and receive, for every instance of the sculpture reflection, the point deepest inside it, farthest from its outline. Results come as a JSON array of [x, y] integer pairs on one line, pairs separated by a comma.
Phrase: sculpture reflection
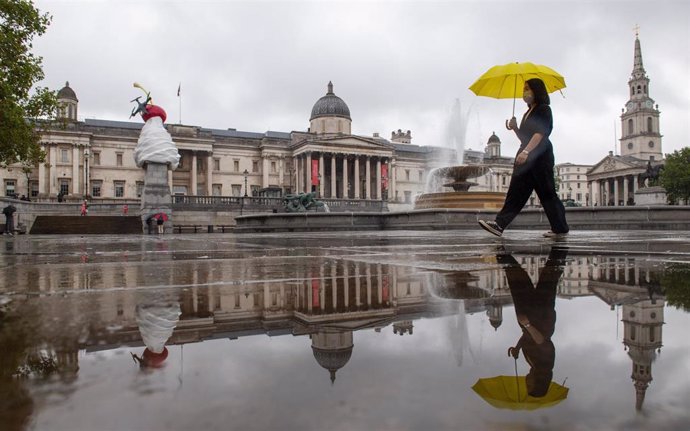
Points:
[[157, 315], [536, 315]]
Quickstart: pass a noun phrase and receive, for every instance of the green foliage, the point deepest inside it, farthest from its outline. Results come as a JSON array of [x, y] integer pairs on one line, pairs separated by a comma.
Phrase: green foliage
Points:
[[676, 285], [675, 177], [21, 109]]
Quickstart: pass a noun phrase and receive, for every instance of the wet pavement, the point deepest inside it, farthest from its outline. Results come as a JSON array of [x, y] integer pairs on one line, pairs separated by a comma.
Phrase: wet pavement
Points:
[[345, 331]]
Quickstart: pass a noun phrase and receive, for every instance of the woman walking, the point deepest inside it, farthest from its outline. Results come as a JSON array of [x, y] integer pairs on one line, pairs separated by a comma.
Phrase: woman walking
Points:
[[533, 169]]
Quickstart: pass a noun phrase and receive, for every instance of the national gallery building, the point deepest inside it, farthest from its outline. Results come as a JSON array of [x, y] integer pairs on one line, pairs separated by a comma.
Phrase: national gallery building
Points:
[[95, 158]]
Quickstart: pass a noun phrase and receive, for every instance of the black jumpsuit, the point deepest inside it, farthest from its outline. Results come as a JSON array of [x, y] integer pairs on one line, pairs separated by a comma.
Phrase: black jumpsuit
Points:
[[536, 174]]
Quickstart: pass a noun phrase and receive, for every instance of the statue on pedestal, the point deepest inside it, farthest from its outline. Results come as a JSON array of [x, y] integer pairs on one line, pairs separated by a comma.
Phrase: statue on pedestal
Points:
[[156, 153]]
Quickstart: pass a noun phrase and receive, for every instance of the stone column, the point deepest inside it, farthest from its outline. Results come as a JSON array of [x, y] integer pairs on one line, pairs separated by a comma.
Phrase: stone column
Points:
[[334, 193], [334, 288], [170, 180], [345, 195], [358, 286], [368, 276], [322, 175], [52, 171], [393, 185], [615, 191], [264, 171], [75, 171], [281, 171], [41, 178], [368, 178], [625, 190], [193, 185], [379, 180], [307, 171], [297, 176], [346, 288], [209, 174], [635, 185], [356, 179], [607, 192]]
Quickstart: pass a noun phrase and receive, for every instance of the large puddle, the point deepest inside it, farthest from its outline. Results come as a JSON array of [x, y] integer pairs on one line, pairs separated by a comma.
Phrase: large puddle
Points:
[[401, 332]]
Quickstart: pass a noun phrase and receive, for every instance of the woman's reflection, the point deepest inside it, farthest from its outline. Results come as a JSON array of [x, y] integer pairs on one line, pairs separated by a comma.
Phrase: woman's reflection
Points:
[[536, 315], [157, 315]]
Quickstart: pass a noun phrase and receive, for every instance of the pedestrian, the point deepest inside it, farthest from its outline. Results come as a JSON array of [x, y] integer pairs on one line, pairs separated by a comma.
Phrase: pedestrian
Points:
[[84, 208], [125, 209], [159, 222], [9, 211], [534, 163]]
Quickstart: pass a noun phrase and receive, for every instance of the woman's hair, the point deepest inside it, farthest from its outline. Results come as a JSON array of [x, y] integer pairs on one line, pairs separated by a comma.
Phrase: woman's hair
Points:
[[541, 96]]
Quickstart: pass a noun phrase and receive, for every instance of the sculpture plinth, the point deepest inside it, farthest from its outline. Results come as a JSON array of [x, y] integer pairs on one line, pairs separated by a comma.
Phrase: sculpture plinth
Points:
[[155, 197], [456, 177]]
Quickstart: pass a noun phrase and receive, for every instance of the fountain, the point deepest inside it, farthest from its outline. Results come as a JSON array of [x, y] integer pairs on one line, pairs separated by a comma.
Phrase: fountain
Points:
[[456, 177]]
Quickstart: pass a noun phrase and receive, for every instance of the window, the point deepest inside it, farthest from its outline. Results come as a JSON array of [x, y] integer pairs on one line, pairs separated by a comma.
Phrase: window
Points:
[[503, 180], [421, 176], [236, 190], [96, 188], [118, 158], [273, 167], [119, 189], [200, 165], [408, 197], [33, 187], [651, 144], [255, 190], [217, 189], [140, 188], [255, 166], [216, 164], [236, 165], [96, 158], [578, 177], [9, 187], [64, 155], [630, 127], [407, 174], [649, 124], [179, 190], [64, 186], [630, 145]]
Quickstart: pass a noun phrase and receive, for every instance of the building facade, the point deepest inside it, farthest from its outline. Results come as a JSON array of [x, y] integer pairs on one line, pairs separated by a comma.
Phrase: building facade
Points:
[[94, 158], [572, 183]]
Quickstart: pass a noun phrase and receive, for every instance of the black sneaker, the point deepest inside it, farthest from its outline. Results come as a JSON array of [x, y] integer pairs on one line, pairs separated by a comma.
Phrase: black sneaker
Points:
[[491, 227]]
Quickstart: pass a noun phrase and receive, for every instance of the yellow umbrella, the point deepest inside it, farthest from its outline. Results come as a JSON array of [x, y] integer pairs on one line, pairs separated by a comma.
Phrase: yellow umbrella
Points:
[[506, 81], [510, 392]]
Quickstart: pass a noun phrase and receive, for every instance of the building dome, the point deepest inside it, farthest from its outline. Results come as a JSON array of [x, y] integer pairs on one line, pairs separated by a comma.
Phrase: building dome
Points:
[[332, 359], [330, 105], [67, 93], [493, 138]]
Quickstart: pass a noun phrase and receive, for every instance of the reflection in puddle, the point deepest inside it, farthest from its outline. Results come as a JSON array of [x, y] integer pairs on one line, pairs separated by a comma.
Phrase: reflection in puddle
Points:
[[62, 314]]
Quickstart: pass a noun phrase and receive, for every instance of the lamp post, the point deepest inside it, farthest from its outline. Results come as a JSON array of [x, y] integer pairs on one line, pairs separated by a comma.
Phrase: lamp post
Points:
[[246, 172]]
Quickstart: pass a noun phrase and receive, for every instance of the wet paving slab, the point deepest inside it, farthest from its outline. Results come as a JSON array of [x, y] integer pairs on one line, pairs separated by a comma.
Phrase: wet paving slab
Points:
[[346, 331]]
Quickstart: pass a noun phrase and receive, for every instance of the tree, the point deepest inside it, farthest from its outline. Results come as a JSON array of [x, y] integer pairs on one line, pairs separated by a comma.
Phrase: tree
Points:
[[23, 113], [675, 177]]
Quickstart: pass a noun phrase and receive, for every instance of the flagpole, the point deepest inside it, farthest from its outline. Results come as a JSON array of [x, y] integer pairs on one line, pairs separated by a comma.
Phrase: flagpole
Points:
[[179, 96]]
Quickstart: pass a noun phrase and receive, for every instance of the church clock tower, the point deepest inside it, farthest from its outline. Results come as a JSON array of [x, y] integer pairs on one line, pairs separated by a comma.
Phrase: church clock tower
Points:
[[640, 137]]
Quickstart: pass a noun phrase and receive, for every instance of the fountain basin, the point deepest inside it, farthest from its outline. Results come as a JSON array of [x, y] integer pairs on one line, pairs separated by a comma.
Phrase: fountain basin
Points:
[[467, 200]]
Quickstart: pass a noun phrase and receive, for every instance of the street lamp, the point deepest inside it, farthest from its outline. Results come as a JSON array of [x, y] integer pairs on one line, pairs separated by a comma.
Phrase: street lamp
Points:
[[246, 172]]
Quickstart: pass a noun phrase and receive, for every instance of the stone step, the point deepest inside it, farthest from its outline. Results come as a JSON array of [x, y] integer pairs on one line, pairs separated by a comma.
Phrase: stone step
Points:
[[86, 225]]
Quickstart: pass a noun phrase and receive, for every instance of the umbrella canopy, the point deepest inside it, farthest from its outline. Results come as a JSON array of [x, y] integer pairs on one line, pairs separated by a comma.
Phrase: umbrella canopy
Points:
[[506, 81], [510, 392], [157, 216]]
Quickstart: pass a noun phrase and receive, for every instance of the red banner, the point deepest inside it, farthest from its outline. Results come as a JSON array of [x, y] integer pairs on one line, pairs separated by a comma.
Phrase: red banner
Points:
[[315, 172], [384, 176]]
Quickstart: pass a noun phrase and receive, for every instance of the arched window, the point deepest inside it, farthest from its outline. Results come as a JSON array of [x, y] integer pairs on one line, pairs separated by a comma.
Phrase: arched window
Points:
[[639, 89], [649, 124], [645, 89], [630, 126]]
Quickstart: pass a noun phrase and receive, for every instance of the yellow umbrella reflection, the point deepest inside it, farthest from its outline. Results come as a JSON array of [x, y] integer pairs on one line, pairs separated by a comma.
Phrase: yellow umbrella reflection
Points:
[[507, 80], [510, 392]]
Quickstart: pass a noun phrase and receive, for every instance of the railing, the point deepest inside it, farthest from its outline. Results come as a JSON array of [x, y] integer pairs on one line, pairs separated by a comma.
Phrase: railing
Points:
[[253, 203]]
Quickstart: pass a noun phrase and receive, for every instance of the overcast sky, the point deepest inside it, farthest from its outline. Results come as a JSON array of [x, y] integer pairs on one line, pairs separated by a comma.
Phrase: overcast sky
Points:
[[258, 66]]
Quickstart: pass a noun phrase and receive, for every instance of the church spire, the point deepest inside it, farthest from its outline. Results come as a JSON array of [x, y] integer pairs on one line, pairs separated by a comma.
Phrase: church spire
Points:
[[638, 68]]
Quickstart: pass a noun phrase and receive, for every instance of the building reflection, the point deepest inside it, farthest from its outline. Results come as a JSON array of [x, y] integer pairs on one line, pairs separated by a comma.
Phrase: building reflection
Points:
[[324, 298]]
